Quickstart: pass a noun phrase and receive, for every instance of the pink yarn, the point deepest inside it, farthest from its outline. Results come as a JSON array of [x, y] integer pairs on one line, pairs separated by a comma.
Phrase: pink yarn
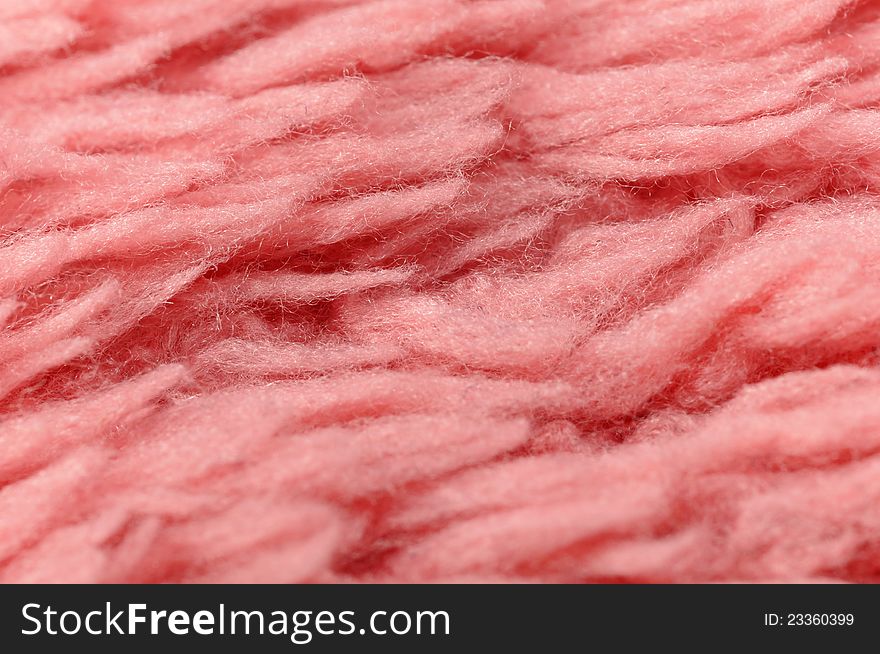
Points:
[[460, 290]]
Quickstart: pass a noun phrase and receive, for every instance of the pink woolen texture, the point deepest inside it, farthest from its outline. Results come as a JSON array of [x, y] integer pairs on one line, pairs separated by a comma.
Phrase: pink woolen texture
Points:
[[443, 290]]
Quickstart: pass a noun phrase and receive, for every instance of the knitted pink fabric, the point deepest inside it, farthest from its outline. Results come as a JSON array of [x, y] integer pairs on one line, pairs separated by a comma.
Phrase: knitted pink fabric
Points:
[[447, 290]]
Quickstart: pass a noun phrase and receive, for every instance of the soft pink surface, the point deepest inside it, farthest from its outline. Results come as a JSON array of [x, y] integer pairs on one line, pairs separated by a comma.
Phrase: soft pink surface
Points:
[[490, 290]]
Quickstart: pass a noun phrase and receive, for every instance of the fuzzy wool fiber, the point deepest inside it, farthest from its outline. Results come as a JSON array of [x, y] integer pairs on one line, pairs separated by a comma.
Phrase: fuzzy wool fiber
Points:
[[439, 291]]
